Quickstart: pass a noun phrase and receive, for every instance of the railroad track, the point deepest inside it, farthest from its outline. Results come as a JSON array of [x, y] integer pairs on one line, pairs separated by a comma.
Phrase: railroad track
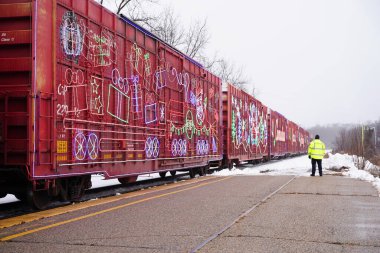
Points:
[[14, 209]]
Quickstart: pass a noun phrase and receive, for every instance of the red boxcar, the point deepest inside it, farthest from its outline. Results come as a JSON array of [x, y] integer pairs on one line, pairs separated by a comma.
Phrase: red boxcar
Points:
[[304, 140], [294, 138], [84, 91], [246, 126], [291, 140], [278, 133]]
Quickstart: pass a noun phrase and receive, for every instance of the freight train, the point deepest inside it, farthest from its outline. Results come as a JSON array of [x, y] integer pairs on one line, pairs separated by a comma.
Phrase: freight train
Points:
[[84, 91]]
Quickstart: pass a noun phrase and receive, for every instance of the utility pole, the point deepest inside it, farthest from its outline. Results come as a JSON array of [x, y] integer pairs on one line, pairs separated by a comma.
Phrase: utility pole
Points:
[[362, 140], [374, 130], [365, 128]]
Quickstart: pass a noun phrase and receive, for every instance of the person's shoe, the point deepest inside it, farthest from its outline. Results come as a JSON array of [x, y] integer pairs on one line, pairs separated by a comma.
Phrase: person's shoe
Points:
[[320, 175], [312, 175]]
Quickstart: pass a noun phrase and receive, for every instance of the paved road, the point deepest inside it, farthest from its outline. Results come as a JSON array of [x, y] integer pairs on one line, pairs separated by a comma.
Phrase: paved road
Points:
[[328, 214]]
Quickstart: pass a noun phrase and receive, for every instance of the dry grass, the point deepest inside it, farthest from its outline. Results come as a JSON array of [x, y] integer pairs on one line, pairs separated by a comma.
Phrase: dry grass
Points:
[[339, 169], [375, 160], [375, 170]]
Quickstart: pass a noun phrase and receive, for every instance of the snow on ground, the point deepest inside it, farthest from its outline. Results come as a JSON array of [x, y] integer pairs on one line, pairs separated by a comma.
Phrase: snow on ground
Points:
[[337, 164], [98, 181], [297, 166], [8, 199], [350, 170]]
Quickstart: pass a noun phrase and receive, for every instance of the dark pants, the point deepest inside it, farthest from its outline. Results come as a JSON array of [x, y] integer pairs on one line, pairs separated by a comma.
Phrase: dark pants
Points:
[[313, 167]]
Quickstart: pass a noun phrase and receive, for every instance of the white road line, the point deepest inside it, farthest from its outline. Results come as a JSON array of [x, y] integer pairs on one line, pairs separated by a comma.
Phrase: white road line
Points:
[[212, 237]]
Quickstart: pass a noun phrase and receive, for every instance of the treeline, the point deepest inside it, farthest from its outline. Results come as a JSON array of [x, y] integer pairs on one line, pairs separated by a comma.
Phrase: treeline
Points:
[[353, 139], [328, 133], [362, 141]]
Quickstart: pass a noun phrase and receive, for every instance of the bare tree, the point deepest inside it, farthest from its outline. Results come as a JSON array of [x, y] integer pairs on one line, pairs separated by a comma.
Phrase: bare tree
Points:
[[121, 4], [133, 9], [358, 141], [229, 73], [341, 140], [232, 74], [192, 42], [168, 28], [196, 39]]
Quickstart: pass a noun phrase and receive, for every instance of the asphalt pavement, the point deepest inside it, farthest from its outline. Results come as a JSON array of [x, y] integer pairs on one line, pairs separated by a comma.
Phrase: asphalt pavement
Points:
[[214, 214], [311, 214]]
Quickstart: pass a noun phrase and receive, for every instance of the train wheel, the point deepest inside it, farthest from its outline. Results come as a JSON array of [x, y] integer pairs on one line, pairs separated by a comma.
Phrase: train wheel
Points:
[[38, 199], [206, 169], [192, 173], [76, 194], [173, 172], [77, 186], [127, 180], [230, 165], [162, 174], [203, 170]]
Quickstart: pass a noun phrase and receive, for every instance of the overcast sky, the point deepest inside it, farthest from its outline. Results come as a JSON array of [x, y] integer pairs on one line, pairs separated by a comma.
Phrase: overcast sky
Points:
[[315, 61]]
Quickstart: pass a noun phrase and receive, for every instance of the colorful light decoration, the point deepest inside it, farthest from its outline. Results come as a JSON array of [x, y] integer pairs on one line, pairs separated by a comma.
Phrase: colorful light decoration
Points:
[[152, 147], [136, 96], [179, 147], [202, 147], [150, 109], [161, 78], [214, 145], [92, 146], [248, 130], [200, 115], [183, 80], [85, 147], [71, 36], [79, 146], [189, 128], [96, 96], [129, 90], [193, 99], [121, 110]]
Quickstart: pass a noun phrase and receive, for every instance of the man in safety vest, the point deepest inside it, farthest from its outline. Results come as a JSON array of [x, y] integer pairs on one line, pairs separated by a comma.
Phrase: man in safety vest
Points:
[[316, 152]]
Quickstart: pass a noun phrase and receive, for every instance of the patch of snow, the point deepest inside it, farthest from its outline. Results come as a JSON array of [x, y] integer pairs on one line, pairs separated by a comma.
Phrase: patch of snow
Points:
[[298, 166], [342, 164], [99, 181], [338, 161], [8, 199], [352, 171]]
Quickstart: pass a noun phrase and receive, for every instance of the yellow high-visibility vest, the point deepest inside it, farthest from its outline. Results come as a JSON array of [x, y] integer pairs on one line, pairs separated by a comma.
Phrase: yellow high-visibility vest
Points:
[[316, 149]]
